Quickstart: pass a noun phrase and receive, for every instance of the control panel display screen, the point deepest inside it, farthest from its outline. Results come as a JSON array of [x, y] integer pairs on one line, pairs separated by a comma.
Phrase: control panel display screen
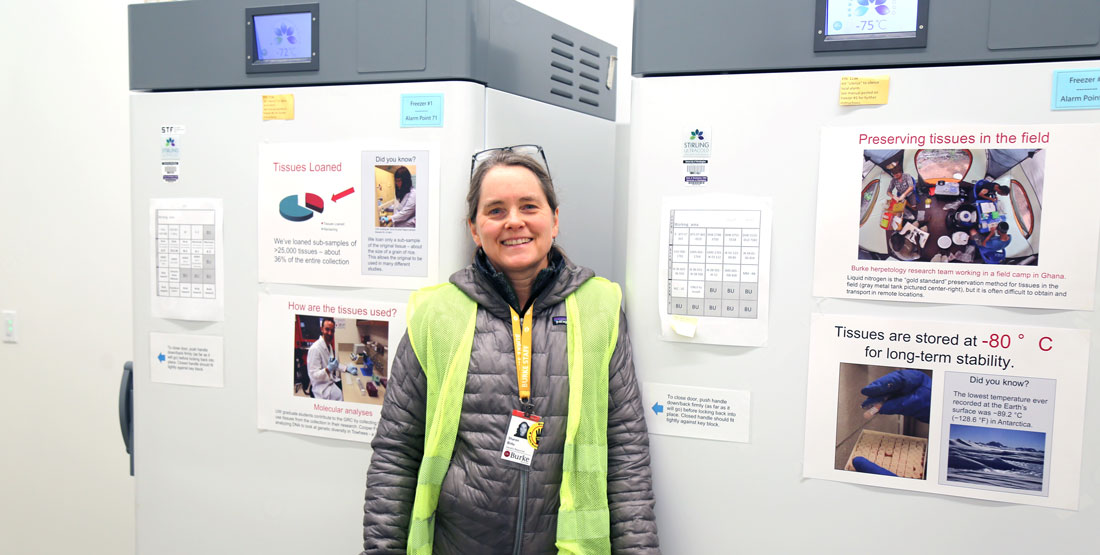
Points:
[[285, 37], [874, 18]]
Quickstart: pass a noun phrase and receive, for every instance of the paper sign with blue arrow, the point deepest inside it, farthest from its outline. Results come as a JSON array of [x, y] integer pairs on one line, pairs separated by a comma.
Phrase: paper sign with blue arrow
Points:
[[186, 359], [699, 412]]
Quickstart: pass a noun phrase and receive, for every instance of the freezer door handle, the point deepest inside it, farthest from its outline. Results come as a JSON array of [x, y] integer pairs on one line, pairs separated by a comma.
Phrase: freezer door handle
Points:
[[126, 410]]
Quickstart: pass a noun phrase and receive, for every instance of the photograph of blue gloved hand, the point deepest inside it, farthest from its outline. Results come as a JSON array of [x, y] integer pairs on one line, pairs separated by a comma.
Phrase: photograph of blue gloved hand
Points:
[[870, 444], [861, 464], [333, 364], [906, 392]]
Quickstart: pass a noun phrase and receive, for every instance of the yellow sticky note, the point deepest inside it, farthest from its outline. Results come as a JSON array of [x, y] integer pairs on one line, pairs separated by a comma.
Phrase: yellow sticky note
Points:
[[685, 325], [861, 91], [278, 106]]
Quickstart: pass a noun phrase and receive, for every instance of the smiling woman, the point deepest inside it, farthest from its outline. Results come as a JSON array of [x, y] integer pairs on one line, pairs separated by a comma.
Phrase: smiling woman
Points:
[[449, 473], [515, 225]]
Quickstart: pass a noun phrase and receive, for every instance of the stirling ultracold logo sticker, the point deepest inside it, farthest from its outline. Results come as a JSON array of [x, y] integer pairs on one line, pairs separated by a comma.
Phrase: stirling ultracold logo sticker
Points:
[[695, 151]]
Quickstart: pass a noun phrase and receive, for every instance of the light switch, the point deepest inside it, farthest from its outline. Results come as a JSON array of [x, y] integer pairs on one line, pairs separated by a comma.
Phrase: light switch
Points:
[[8, 318]]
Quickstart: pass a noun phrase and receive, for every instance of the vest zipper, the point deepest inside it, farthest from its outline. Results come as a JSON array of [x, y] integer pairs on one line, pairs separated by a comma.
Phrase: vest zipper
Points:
[[520, 512]]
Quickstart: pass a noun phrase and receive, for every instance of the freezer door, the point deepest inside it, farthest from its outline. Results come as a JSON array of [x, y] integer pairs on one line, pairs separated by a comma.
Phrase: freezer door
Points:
[[207, 480], [766, 138]]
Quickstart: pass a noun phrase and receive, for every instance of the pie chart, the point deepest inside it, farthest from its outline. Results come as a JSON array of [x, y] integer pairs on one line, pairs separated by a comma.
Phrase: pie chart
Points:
[[290, 209]]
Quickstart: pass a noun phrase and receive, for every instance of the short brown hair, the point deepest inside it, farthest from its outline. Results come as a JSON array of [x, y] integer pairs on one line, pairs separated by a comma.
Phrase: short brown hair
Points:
[[508, 158]]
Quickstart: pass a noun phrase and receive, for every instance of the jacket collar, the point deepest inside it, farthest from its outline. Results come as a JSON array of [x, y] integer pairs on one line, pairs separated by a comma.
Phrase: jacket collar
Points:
[[493, 292], [503, 286]]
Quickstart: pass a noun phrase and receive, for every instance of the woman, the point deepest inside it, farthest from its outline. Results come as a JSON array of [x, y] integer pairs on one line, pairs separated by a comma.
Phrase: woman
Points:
[[493, 493], [404, 215]]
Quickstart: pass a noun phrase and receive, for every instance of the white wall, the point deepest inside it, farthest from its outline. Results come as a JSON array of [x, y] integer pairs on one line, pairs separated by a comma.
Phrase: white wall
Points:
[[65, 246]]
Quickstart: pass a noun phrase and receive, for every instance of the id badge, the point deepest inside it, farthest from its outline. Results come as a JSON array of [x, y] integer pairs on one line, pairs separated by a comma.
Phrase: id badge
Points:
[[522, 438]]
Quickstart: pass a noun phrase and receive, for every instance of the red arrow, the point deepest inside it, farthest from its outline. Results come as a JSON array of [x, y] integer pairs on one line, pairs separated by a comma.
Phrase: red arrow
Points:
[[343, 194]]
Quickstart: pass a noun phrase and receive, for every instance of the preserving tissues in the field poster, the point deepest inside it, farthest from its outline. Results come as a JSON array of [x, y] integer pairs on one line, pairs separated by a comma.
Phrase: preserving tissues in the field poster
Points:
[[984, 215], [988, 411], [324, 364]]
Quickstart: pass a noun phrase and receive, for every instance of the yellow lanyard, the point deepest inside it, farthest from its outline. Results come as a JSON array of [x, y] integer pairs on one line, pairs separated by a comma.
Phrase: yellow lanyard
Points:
[[521, 336]]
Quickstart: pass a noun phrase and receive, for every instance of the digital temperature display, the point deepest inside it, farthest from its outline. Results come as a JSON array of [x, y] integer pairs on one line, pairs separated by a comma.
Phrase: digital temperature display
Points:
[[870, 24], [282, 38], [871, 17]]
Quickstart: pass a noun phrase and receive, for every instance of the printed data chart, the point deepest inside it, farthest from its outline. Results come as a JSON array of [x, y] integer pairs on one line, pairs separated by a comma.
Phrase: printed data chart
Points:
[[185, 250], [714, 263]]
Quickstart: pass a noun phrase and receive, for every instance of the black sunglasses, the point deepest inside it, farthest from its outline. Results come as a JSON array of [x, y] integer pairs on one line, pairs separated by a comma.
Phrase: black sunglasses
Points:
[[524, 150]]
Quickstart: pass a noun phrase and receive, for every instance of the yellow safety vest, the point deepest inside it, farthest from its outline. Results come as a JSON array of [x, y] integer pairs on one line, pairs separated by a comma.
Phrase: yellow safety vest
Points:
[[441, 330]]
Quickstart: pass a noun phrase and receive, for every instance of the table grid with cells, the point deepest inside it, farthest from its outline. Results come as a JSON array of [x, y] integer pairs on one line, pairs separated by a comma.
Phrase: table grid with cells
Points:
[[185, 254], [714, 263]]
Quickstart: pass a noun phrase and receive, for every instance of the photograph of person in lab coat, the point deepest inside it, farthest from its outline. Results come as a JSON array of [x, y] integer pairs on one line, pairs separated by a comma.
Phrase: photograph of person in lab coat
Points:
[[324, 370], [396, 196], [342, 359]]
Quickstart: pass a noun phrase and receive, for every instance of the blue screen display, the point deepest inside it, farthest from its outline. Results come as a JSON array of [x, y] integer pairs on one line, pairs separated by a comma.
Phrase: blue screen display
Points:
[[283, 37]]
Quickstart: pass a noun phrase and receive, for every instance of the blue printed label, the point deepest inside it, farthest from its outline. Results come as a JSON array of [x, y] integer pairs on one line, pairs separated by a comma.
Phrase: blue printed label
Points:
[[1077, 89], [421, 110]]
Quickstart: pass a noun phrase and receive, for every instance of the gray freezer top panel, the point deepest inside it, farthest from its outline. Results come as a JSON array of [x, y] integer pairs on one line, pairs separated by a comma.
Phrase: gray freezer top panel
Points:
[[202, 44], [722, 36]]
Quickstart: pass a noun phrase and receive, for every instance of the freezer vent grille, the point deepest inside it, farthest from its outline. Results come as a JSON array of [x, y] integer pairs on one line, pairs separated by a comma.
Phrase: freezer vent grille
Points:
[[574, 71]]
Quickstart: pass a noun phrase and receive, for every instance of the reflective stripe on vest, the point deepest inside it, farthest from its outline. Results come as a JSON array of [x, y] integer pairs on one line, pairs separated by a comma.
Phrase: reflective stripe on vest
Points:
[[441, 323]]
